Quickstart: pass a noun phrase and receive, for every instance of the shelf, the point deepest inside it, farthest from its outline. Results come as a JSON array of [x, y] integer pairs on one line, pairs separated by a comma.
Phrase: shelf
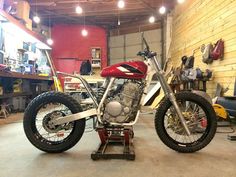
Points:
[[24, 76], [20, 26], [10, 95], [96, 54], [96, 66]]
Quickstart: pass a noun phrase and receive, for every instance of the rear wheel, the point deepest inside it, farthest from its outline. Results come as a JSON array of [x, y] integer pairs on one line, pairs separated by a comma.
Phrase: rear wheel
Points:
[[41, 133], [200, 119]]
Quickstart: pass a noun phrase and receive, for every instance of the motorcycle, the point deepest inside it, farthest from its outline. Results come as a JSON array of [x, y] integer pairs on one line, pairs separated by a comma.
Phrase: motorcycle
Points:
[[186, 122]]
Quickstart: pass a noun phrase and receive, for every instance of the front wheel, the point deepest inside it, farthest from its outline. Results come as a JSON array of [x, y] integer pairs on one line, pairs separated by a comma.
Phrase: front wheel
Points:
[[199, 116], [41, 133]]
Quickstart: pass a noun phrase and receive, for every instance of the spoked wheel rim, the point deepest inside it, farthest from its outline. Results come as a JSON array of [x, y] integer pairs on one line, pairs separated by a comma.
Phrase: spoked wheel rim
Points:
[[196, 120], [45, 131]]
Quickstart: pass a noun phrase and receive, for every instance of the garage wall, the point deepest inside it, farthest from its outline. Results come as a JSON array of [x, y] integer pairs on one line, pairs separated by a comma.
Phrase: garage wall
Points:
[[125, 47], [69, 43], [200, 22]]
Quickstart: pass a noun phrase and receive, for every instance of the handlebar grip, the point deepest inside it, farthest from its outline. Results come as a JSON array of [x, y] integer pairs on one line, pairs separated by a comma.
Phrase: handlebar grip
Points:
[[147, 54], [141, 53], [152, 54]]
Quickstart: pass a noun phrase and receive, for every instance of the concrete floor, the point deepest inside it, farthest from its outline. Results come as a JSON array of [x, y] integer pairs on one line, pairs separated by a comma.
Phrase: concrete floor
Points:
[[18, 158]]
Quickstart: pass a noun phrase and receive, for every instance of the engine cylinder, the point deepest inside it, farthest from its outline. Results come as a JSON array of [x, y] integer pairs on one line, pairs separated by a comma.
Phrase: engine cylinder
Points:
[[122, 106]]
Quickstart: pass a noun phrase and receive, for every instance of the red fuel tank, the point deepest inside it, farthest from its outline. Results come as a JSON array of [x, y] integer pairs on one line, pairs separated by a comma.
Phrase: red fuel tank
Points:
[[126, 70]]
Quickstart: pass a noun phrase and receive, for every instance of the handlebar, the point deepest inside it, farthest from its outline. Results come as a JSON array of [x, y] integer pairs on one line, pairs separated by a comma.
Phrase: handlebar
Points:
[[147, 46], [148, 54]]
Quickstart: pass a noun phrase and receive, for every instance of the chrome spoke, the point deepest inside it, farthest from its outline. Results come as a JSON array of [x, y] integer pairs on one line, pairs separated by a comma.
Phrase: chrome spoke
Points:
[[47, 113], [195, 119]]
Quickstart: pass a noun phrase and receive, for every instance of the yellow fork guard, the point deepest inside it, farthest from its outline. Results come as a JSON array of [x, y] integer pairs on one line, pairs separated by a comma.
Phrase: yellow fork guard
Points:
[[220, 111]]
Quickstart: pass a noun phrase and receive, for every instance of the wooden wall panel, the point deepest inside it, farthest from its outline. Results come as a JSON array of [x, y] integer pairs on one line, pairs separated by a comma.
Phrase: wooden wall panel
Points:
[[200, 22]]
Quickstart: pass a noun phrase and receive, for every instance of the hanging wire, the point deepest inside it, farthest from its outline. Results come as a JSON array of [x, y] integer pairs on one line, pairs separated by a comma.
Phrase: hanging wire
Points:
[[84, 20], [49, 20], [118, 20], [36, 8]]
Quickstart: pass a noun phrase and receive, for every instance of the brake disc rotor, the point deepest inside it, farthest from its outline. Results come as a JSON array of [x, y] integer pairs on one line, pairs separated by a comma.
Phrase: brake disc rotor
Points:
[[174, 123]]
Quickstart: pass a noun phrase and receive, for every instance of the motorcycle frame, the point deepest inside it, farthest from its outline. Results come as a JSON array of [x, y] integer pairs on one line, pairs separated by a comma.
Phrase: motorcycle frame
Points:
[[153, 67]]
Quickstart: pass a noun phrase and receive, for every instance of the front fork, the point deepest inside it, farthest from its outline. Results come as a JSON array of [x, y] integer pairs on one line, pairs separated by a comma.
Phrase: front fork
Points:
[[168, 91]]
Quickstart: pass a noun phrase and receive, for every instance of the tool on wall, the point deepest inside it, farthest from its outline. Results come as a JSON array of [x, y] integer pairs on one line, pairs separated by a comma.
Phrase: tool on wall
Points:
[[56, 80], [212, 52], [206, 53]]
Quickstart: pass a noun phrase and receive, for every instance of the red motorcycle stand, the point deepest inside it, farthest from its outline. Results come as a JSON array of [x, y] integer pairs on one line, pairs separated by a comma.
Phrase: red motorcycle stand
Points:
[[115, 136]]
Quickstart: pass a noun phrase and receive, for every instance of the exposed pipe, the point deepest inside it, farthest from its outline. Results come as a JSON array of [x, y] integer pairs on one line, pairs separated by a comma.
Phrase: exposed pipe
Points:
[[162, 42], [108, 47]]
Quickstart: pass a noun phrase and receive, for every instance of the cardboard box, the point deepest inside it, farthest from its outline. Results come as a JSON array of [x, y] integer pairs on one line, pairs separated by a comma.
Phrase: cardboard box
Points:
[[28, 24], [23, 10]]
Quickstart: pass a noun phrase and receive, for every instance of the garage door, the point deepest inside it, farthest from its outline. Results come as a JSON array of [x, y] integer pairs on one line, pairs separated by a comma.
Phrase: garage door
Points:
[[125, 47]]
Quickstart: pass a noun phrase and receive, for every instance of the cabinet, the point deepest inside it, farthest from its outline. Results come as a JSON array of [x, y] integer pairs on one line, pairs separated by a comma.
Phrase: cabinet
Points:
[[29, 87], [96, 54]]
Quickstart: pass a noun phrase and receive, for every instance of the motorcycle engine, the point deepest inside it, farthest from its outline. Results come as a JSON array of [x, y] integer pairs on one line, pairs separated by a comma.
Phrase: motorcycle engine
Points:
[[122, 106]]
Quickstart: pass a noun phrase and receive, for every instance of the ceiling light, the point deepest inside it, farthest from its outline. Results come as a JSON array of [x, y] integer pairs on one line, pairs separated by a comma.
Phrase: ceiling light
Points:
[[162, 10], [79, 10], [152, 19], [84, 32], [181, 1], [36, 19], [50, 41], [121, 4]]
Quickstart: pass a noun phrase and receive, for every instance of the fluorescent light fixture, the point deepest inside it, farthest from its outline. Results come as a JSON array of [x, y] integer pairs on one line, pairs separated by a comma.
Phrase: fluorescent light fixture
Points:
[[84, 32], [162, 10], [50, 41], [22, 35], [79, 10], [152, 19], [36, 19], [180, 1], [121, 4]]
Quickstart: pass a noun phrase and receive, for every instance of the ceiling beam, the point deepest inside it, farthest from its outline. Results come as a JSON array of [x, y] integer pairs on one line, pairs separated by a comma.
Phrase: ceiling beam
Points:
[[148, 5]]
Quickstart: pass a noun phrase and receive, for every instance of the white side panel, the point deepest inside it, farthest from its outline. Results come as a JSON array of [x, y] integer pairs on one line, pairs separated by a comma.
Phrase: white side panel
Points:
[[151, 93]]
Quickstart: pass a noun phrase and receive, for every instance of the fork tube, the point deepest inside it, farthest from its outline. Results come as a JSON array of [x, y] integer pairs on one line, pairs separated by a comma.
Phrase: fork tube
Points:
[[168, 91]]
